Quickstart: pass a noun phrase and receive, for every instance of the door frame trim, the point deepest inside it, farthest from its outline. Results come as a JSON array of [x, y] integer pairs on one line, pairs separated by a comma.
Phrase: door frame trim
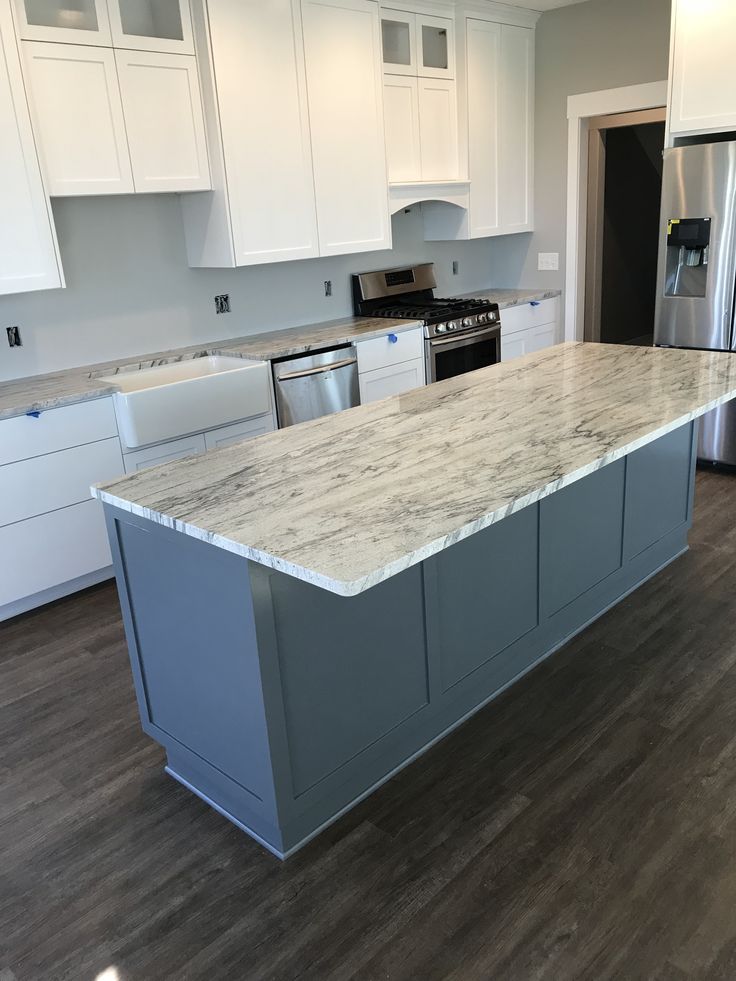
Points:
[[580, 110]]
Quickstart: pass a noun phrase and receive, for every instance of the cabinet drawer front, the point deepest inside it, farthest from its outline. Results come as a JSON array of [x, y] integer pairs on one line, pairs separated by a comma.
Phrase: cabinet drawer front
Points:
[[52, 549], [215, 439], [56, 480], [175, 449], [525, 315], [56, 429], [393, 380], [383, 351]]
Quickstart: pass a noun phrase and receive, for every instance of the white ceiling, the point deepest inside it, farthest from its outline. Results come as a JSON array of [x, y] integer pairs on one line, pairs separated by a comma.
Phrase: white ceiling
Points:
[[542, 4]]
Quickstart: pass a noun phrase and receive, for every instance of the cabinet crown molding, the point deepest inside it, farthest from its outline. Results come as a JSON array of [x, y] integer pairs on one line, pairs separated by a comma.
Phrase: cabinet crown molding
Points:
[[500, 13]]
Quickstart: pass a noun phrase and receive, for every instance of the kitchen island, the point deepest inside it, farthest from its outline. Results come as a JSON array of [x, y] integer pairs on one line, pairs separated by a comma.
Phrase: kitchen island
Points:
[[309, 611]]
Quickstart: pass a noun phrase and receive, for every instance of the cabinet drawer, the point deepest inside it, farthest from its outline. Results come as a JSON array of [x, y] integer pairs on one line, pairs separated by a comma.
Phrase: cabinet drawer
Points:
[[383, 351], [56, 480], [56, 429], [175, 449], [52, 549], [393, 380], [215, 439], [525, 315]]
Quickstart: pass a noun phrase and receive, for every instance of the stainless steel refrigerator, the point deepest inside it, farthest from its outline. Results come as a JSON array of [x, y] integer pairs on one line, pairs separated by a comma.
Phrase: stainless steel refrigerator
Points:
[[697, 269]]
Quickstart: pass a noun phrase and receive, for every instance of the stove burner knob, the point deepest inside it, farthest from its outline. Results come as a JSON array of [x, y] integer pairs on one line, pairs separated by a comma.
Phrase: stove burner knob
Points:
[[441, 328], [468, 322], [453, 325], [482, 317]]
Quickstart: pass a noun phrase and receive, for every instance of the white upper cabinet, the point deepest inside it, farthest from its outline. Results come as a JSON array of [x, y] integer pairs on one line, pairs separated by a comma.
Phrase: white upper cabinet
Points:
[[483, 68], [500, 80], [263, 207], [71, 21], [401, 108], [415, 44], [438, 129], [420, 98], [79, 118], [342, 43], [702, 77], [28, 252], [516, 128], [162, 107], [151, 25]]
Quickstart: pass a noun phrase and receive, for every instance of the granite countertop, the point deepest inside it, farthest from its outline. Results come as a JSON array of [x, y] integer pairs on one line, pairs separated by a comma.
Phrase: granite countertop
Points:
[[351, 499], [40, 392]]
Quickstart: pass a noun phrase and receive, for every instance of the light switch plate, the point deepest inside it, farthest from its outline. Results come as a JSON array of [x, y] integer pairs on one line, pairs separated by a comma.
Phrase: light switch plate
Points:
[[548, 261]]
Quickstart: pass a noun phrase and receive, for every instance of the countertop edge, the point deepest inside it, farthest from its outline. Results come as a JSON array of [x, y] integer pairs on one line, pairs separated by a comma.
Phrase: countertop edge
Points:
[[355, 587]]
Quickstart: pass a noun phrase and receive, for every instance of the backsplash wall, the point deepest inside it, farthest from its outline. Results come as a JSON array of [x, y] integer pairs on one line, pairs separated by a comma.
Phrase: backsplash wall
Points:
[[130, 291]]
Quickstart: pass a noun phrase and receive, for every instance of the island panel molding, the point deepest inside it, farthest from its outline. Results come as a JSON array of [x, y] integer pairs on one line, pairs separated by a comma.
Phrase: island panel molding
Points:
[[355, 498], [282, 704]]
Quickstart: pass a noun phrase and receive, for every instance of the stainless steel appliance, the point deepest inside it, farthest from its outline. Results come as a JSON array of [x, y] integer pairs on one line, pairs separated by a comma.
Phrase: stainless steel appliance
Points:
[[459, 334], [697, 269], [316, 385]]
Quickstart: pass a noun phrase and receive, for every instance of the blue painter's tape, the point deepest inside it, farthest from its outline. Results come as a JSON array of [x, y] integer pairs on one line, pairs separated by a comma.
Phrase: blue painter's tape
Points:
[[392, 338], [534, 303], [33, 415]]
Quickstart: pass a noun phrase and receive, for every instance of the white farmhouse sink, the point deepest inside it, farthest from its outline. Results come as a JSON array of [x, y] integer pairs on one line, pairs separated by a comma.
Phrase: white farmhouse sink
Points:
[[156, 404]]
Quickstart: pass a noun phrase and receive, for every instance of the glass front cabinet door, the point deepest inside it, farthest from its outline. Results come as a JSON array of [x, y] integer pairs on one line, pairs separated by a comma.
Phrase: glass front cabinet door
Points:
[[399, 40], [152, 25], [73, 21], [436, 42]]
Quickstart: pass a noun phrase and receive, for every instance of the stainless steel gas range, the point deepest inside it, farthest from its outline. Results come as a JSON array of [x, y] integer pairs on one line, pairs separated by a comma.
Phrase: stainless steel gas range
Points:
[[459, 335]]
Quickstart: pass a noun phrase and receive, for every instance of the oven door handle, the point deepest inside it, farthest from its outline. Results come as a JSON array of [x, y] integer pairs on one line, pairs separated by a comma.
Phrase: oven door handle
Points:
[[462, 340]]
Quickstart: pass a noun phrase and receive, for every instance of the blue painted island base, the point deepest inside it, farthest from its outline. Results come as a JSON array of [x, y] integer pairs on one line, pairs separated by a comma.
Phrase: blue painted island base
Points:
[[282, 704]]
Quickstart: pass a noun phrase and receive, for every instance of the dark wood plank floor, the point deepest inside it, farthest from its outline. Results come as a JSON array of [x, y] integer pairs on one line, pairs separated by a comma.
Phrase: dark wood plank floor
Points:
[[583, 826]]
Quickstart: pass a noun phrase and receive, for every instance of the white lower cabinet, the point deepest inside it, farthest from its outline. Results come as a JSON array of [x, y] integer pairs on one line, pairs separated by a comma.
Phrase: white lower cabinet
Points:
[[526, 328], [391, 364], [215, 439], [391, 380], [52, 534], [50, 553], [175, 449]]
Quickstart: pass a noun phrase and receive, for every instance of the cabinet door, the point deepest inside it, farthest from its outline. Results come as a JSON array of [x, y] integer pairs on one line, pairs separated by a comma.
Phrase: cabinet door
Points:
[[438, 129], [515, 131], [215, 439], [264, 128], [545, 335], [175, 449], [152, 25], [399, 42], [164, 121], [436, 44], [483, 65], [703, 96], [513, 346], [392, 380], [345, 93], [66, 21], [28, 252], [401, 108], [79, 116]]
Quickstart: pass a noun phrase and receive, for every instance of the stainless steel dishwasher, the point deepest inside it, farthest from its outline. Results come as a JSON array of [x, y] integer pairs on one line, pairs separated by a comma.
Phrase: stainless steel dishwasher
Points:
[[316, 384]]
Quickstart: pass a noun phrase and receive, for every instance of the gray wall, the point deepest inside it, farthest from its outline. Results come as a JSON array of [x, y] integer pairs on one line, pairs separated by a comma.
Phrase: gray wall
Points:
[[130, 291], [600, 44]]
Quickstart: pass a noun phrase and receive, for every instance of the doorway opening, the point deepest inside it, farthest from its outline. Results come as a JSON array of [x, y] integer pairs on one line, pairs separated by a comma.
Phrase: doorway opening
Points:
[[622, 236]]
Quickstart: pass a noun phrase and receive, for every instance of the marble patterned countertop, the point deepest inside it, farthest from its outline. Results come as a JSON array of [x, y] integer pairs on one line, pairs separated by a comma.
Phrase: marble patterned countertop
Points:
[[347, 501], [41, 392]]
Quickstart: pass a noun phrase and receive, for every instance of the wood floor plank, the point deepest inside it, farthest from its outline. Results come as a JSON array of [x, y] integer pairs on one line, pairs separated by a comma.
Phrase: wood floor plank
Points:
[[580, 828]]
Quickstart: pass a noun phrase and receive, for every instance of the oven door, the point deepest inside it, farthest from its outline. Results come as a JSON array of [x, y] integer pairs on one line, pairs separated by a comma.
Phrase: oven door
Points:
[[450, 356]]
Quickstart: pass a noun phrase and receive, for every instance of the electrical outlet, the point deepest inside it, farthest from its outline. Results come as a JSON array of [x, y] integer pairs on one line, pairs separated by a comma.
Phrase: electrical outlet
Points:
[[548, 261], [222, 303], [14, 339], [455, 267], [328, 287]]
